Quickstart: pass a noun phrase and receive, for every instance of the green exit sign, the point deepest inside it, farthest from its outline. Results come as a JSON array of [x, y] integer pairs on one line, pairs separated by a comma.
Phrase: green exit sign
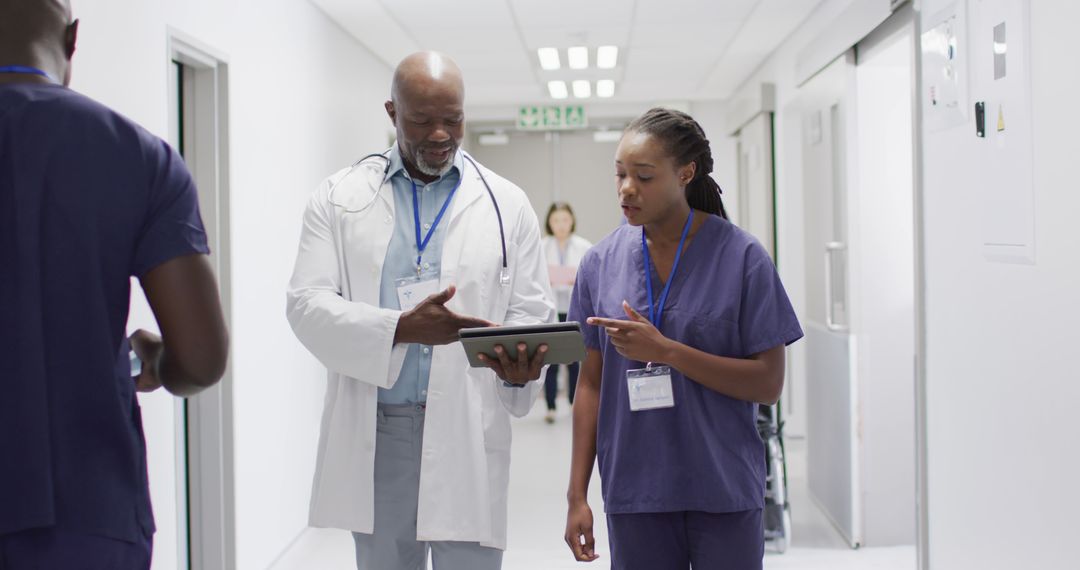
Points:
[[551, 117]]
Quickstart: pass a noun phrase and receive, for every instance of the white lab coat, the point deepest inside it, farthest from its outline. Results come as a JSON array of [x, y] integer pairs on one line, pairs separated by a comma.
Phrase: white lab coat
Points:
[[576, 248], [333, 307]]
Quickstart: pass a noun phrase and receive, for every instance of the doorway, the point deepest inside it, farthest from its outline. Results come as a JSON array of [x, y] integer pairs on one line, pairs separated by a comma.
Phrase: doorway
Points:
[[851, 132], [198, 96]]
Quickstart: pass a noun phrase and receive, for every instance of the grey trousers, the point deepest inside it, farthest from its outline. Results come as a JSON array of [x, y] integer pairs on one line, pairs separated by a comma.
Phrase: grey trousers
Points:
[[393, 546]]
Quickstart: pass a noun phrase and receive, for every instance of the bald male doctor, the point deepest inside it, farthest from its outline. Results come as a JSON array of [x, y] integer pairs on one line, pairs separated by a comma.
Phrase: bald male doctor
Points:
[[414, 454]]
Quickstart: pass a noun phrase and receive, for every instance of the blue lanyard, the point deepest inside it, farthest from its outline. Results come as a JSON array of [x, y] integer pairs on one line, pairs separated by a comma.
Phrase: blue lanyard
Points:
[[656, 313], [421, 245], [25, 70]]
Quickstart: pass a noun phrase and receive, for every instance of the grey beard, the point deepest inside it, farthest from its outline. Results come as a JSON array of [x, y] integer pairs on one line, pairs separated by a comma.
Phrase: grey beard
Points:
[[430, 170]]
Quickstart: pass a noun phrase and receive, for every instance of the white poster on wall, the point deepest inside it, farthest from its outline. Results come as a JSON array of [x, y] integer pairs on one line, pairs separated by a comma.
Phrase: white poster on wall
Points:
[[1001, 92]]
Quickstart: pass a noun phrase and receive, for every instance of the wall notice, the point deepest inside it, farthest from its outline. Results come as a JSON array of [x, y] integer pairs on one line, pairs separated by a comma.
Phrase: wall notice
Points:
[[1001, 80]]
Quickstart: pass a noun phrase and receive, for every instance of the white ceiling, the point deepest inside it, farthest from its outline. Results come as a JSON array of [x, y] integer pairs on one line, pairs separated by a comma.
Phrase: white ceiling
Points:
[[669, 50]]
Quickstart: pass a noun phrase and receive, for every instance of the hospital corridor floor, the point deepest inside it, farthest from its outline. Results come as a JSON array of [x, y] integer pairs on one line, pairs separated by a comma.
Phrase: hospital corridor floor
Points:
[[540, 465]]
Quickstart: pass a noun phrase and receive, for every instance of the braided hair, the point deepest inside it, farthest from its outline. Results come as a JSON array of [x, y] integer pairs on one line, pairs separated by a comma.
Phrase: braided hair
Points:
[[685, 141]]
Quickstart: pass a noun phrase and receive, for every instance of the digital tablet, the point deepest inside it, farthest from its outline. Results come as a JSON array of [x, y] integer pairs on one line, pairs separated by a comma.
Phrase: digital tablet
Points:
[[564, 340]]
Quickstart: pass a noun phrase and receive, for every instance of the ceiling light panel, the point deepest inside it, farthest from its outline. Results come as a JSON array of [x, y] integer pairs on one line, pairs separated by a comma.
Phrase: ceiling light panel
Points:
[[557, 89], [582, 88], [578, 57], [549, 58], [607, 57]]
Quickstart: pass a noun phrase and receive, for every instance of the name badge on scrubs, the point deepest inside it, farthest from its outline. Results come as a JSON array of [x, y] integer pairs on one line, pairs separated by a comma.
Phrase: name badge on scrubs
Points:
[[412, 290], [650, 388]]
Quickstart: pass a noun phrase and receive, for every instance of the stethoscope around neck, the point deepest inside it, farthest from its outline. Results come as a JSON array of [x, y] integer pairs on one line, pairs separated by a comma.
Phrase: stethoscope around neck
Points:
[[504, 273]]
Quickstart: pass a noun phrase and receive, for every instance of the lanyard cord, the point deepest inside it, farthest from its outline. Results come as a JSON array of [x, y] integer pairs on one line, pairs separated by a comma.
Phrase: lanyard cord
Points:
[[656, 312], [25, 70], [421, 244]]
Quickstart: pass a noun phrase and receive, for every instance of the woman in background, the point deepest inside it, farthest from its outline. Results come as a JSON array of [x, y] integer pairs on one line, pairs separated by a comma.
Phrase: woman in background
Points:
[[564, 251]]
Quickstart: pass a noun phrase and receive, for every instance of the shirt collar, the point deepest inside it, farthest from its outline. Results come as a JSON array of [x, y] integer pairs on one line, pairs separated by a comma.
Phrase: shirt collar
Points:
[[397, 165]]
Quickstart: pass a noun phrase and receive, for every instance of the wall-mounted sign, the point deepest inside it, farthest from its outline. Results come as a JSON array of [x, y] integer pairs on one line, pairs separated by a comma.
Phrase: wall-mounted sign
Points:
[[551, 117]]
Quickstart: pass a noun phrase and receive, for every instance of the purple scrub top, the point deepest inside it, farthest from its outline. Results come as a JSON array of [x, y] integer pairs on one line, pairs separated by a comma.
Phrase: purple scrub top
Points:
[[726, 299], [88, 199]]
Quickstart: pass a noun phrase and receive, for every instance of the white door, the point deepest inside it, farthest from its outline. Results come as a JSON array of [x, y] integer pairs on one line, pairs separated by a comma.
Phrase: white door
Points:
[[757, 213], [882, 279], [826, 109]]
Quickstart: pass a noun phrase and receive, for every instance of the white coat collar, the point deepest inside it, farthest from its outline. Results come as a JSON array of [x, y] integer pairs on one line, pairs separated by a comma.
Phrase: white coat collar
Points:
[[472, 185]]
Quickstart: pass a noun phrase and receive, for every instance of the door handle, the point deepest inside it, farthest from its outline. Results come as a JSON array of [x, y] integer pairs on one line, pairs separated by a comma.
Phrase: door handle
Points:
[[831, 249]]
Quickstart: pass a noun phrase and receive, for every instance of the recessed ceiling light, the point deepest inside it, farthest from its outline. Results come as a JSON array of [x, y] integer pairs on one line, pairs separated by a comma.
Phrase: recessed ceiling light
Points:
[[582, 88], [549, 58], [607, 57], [605, 88], [578, 57], [557, 89]]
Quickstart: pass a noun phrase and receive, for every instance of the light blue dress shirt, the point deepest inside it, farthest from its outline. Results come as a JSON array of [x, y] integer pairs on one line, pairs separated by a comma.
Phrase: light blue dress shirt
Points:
[[412, 384]]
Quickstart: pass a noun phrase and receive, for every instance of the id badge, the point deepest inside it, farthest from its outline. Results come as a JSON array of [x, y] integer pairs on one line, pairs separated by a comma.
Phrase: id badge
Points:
[[650, 388], [412, 290]]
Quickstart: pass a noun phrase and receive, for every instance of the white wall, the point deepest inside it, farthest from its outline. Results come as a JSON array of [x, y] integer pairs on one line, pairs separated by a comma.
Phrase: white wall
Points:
[[306, 99], [1002, 382]]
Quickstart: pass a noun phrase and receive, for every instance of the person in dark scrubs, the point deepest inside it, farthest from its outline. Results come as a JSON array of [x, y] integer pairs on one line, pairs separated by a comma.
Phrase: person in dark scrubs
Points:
[[88, 199], [686, 326]]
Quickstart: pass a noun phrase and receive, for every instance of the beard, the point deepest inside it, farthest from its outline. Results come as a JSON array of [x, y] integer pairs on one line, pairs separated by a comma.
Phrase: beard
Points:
[[434, 169]]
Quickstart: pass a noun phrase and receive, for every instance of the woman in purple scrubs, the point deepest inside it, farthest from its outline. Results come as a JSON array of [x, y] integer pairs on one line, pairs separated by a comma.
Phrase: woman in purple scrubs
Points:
[[686, 324]]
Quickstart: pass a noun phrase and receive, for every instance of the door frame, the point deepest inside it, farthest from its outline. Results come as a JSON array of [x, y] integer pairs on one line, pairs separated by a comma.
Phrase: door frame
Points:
[[922, 477], [206, 472]]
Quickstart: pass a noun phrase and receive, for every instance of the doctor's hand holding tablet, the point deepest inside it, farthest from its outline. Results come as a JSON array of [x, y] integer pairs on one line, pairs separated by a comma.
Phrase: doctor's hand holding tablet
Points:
[[518, 354], [431, 323], [520, 370]]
